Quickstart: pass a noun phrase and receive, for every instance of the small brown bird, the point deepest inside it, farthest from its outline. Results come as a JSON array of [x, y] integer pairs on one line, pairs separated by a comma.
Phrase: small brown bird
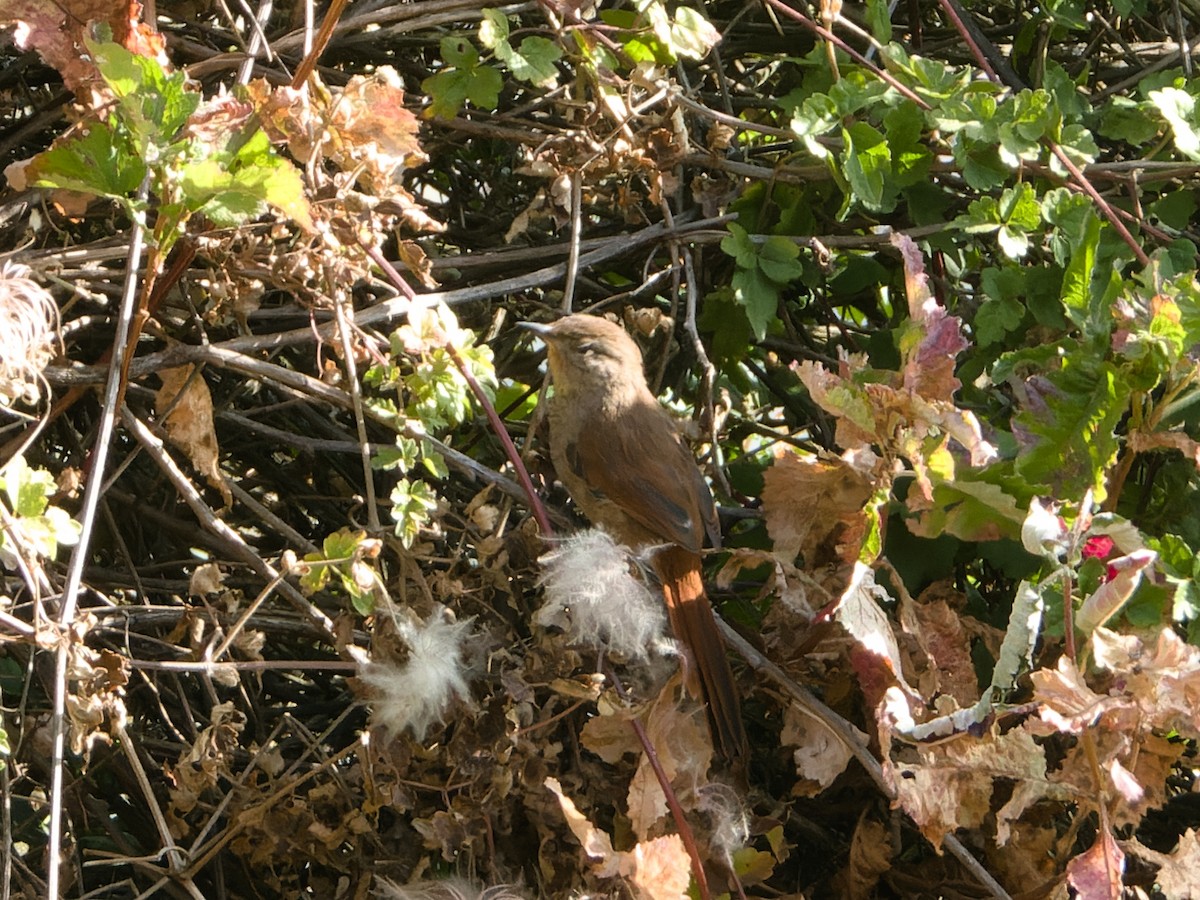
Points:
[[619, 454]]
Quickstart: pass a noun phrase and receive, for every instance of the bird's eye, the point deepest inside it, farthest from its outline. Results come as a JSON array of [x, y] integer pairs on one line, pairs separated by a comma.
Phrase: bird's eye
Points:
[[588, 347]]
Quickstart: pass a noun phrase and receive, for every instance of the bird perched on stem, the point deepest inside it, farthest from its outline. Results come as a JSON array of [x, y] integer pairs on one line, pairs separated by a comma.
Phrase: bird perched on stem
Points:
[[622, 460]]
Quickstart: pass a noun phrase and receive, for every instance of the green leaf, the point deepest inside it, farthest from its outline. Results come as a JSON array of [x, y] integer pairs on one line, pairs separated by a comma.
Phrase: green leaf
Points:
[[450, 89], [28, 491], [1178, 107], [1019, 207], [153, 104], [534, 61], [738, 245], [996, 318], [867, 163], [692, 35], [982, 167], [758, 296], [234, 191], [1078, 295], [342, 544], [493, 29], [1067, 427], [402, 456], [879, 20], [99, 161], [447, 91], [1124, 119], [412, 502], [971, 511], [459, 52], [1175, 209], [725, 319], [433, 462], [483, 87], [1014, 243], [816, 117], [778, 259]]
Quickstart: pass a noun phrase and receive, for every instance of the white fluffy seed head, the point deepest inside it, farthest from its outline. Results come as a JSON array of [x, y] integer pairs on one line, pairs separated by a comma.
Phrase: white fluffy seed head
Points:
[[591, 594], [28, 339], [417, 693]]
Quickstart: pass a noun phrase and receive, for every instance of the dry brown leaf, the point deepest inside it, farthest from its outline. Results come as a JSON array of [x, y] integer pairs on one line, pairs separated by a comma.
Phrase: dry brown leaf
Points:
[[205, 762], [189, 423], [940, 633], [1141, 441], [595, 841], [870, 856], [373, 127], [610, 737], [1179, 875], [681, 741], [55, 29], [206, 579], [819, 754], [659, 869], [951, 785], [876, 660], [934, 339], [1096, 873], [1164, 684], [810, 503], [1066, 702], [1025, 863]]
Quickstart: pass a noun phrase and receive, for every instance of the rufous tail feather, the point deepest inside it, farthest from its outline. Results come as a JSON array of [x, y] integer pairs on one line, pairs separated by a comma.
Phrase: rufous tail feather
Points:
[[695, 626]]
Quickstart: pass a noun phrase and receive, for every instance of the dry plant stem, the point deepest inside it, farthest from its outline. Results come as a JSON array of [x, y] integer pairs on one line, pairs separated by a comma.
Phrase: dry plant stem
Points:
[[295, 538], [258, 40], [202, 856], [1182, 36], [218, 810], [1069, 619], [360, 420], [537, 726], [732, 121], [314, 387], [397, 307], [336, 8], [846, 735], [710, 373], [12, 623], [568, 300], [246, 665], [223, 648], [79, 558], [6, 835], [191, 496], [960, 26], [497, 426], [394, 277], [510, 449], [832, 38], [174, 853], [1090, 190], [681, 823]]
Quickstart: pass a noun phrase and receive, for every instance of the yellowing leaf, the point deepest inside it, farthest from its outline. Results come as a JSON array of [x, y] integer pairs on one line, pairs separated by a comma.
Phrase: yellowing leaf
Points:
[[186, 404]]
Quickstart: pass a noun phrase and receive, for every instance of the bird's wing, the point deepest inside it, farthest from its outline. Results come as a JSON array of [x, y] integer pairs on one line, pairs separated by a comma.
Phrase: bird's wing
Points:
[[644, 468]]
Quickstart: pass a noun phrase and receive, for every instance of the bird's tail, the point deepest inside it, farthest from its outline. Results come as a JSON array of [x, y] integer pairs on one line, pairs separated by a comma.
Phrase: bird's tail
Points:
[[695, 627]]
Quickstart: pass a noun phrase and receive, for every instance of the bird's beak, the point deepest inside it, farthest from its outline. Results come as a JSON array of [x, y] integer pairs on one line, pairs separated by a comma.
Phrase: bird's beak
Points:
[[541, 330]]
